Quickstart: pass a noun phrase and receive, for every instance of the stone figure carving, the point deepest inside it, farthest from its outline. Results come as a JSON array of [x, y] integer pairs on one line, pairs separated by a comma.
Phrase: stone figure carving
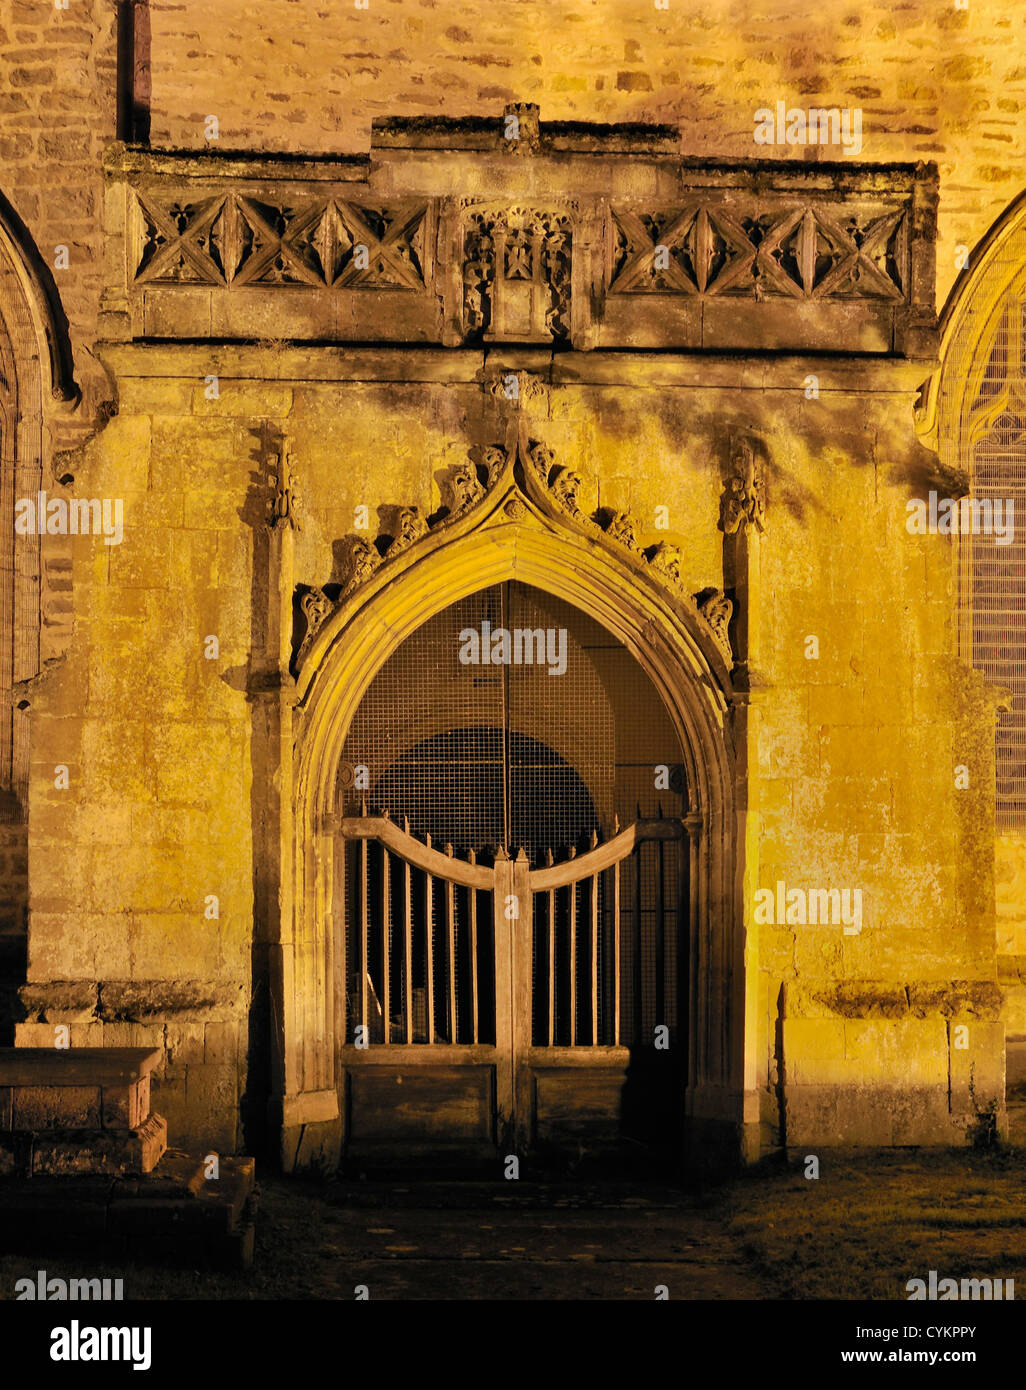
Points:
[[464, 488], [410, 526], [667, 560], [285, 501], [316, 606], [363, 561], [743, 502], [521, 132], [566, 487], [621, 528]]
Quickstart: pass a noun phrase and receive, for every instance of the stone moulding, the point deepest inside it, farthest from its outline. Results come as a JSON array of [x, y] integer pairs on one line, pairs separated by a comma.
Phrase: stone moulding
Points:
[[514, 479]]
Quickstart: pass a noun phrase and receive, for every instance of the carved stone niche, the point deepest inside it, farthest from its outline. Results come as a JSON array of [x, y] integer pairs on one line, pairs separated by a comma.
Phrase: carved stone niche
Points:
[[516, 276]]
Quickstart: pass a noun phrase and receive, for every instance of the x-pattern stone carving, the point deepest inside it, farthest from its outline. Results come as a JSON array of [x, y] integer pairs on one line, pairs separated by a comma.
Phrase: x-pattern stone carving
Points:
[[797, 252], [235, 240]]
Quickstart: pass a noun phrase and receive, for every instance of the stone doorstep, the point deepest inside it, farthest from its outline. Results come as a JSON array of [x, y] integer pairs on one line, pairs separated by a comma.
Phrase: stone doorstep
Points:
[[76, 1066], [113, 1151]]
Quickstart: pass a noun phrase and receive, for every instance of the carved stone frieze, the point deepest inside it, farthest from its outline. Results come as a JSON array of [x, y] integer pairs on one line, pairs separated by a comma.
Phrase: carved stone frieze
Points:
[[795, 252], [230, 239]]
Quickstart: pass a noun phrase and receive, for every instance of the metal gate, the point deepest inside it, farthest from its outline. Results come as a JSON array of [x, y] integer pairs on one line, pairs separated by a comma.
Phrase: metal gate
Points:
[[492, 1003]]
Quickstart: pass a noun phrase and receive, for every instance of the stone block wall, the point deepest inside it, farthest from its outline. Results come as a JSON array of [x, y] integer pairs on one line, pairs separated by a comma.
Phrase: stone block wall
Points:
[[852, 779], [852, 764]]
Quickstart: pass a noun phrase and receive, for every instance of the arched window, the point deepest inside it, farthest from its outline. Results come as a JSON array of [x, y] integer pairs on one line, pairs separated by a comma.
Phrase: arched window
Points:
[[981, 434]]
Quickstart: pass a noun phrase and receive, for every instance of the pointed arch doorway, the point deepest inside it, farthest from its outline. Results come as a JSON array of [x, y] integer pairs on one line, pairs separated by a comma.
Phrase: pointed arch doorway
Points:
[[512, 895], [523, 525]]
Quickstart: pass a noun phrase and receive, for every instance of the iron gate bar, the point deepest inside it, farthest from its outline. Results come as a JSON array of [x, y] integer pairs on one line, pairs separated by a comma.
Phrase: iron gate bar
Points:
[[472, 894], [408, 949], [386, 967], [572, 870], [429, 918]]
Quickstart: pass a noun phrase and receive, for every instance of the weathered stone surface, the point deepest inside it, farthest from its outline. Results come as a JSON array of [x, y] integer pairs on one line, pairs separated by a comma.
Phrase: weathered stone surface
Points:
[[100, 1151], [56, 1107], [126, 1107], [63, 1001]]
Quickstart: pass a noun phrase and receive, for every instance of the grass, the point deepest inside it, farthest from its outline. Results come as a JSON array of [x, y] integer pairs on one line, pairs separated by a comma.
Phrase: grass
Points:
[[866, 1226]]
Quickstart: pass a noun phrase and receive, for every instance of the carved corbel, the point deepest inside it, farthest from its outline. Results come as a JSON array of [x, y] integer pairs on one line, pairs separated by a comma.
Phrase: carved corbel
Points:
[[519, 388], [666, 559], [621, 528], [565, 488], [409, 526], [717, 610], [316, 607], [521, 131], [364, 559]]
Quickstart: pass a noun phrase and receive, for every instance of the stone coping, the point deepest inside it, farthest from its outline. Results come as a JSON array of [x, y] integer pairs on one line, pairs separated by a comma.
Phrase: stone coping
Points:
[[76, 1066]]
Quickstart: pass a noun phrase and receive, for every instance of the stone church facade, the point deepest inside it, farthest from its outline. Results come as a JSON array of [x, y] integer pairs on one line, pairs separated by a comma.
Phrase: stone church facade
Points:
[[707, 853]]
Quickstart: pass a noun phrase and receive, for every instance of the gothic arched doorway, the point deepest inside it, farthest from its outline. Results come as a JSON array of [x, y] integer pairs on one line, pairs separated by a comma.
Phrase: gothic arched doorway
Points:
[[511, 889]]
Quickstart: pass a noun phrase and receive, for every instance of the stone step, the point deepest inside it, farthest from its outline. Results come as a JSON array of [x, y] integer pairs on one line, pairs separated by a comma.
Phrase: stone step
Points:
[[172, 1214], [55, 1092], [66, 1152], [76, 1066]]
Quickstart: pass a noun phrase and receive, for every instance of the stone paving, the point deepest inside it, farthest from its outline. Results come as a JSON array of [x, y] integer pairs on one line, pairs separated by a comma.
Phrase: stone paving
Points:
[[511, 1241]]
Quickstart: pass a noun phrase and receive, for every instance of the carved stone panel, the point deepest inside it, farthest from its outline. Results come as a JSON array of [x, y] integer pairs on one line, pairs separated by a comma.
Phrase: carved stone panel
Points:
[[235, 240], [795, 252], [516, 275]]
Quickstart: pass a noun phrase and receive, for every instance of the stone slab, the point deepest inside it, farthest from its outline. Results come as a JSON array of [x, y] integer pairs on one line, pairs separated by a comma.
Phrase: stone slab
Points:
[[170, 1214], [76, 1066]]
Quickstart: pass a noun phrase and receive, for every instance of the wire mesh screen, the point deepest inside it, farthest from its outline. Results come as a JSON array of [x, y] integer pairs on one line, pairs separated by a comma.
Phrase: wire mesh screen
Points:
[[983, 430], [512, 718]]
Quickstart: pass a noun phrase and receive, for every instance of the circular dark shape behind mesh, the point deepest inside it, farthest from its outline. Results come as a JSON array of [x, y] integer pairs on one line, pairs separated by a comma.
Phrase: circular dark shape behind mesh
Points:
[[547, 798]]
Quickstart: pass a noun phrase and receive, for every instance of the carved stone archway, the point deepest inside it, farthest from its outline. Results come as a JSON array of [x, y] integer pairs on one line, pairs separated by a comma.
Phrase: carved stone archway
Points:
[[521, 522]]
